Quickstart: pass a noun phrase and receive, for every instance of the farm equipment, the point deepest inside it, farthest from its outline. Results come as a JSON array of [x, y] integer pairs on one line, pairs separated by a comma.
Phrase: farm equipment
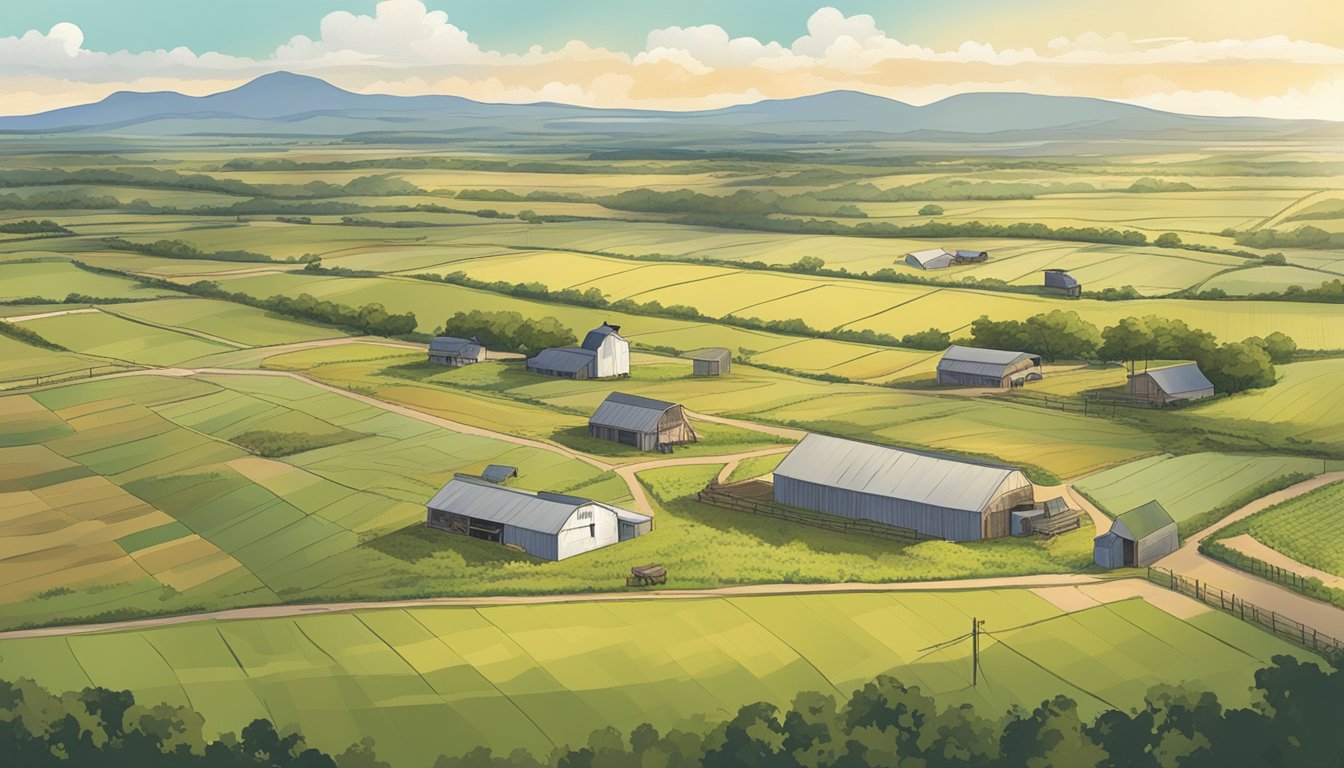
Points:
[[646, 576]]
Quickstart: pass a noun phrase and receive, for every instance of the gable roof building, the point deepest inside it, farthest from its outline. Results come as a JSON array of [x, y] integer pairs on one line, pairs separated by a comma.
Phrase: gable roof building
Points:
[[975, 367], [1137, 538], [715, 361], [1061, 279], [1171, 385], [450, 350], [931, 258], [642, 422], [935, 495], [604, 353], [551, 526]]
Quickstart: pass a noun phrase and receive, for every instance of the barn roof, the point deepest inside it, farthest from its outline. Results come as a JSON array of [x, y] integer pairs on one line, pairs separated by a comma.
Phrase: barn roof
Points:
[[498, 473], [593, 341], [564, 359], [630, 412], [1180, 379], [451, 345], [481, 499], [1143, 521], [965, 253], [713, 354], [980, 362], [928, 255], [883, 471]]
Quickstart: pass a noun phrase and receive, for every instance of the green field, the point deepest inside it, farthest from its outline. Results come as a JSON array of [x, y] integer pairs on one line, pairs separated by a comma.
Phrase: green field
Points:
[[1189, 487], [1308, 529], [54, 280], [538, 676]]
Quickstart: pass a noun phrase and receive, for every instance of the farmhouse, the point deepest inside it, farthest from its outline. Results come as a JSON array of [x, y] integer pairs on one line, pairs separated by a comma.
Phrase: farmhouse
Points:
[[449, 350], [603, 354], [716, 361], [973, 367], [1138, 538], [936, 496], [941, 258], [1171, 385], [647, 424], [550, 526], [1061, 279]]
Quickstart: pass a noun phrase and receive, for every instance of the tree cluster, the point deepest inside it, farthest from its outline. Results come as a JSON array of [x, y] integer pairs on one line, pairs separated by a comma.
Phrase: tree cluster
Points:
[[30, 227], [510, 331], [373, 319], [1302, 237], [180, 249]]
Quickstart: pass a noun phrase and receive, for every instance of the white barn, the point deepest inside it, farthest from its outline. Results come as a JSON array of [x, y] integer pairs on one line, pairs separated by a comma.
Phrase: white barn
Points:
[[937, 496], [550, 526], [603, 355]]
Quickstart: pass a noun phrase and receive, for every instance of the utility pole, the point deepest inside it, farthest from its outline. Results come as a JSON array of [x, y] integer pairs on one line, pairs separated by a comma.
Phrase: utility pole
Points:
[[975, 651]]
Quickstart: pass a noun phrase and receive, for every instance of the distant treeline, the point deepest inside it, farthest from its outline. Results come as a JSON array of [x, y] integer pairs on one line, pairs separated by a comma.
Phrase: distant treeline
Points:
[[57, 200], [162, 178], [31, 338], [31, 227], [510, 331], [180, 249], [1059, 335], [1291, 722], [1302, 237], [1328, 292]]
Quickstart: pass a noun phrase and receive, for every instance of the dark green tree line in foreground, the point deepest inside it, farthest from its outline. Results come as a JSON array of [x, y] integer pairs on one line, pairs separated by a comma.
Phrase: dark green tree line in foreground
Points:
[[1294, 721]]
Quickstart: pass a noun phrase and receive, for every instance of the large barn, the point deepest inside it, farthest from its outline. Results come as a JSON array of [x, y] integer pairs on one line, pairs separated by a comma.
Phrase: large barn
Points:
[[450, 350], [938, 497], [550, 526], [645, 423], [973, 367], [1138, 538], [1171, 385], [603, 354]]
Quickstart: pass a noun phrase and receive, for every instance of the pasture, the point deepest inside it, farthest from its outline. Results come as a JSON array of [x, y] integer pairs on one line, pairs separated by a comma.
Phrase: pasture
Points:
[[543, 675], [1191, 487], [55, 279], [1308, 529]]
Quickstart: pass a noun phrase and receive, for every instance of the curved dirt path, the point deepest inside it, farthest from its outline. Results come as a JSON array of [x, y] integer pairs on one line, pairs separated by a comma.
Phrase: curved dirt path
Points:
[[42, 315]]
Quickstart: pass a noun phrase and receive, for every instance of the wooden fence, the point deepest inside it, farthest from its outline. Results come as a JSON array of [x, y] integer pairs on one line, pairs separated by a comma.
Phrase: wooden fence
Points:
[[723, 497], [1279, 625], [56, 378]]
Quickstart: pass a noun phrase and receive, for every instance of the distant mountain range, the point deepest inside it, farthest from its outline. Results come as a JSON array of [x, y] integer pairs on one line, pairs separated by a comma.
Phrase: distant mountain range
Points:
[[282, 103]]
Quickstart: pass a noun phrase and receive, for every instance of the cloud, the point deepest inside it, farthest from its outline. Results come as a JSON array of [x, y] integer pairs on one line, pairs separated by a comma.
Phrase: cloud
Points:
[[404, 47]]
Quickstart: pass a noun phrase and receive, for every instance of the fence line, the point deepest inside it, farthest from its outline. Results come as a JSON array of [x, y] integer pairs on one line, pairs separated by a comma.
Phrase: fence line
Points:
[[1279, 625], [56, 378], [716, 496]]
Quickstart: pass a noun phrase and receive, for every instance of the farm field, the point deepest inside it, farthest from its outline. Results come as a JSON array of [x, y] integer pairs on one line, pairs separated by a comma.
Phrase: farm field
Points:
[[23, 363], [1304, 403], [112, 337], [1192, 485], [55, 279], [541, 675], [1307, 529]]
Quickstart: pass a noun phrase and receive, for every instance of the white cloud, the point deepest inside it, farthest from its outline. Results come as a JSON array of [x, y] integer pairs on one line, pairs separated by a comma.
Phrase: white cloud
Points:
[[403, 47]]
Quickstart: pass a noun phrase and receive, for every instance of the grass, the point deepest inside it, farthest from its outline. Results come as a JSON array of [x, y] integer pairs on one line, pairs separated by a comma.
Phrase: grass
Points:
[[1197, 489], [271, 444], [56, 279], [756, 466], [1308, 529], [117, 339], [536, 676]]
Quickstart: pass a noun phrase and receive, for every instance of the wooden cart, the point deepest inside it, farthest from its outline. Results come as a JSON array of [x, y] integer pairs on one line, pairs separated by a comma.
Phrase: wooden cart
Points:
[[646, 576]]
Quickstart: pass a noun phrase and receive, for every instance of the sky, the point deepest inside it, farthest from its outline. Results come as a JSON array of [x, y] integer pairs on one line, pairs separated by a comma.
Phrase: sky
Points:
[[1221, 57]]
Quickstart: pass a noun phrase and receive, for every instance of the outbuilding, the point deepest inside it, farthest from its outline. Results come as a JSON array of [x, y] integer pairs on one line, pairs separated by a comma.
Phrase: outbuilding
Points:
[[974, 367], [1171, 385], [642, 422], [936, 496], [550, 526], [1062, 280], [715, 361], [498, 473], [603, 354], [932, 258], [1138, 538], [450, 350]]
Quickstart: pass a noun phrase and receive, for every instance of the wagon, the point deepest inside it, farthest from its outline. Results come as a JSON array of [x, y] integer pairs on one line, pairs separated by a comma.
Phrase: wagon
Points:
[[646, 575]]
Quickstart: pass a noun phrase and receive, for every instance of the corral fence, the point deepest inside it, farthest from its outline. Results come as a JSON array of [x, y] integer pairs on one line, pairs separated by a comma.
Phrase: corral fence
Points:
[[747, 497], [1089, 403], [1277, 624], [57, 378], [1269, 572]]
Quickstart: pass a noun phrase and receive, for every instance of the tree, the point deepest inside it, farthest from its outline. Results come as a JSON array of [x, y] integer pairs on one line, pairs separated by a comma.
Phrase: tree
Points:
[[1061, 335], [1237, 366], [808, 264], [1278, 345], [1167, 240], [931, 210]]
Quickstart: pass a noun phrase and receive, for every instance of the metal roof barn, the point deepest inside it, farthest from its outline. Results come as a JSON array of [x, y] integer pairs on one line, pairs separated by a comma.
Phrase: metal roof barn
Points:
[[642, 422], [498, 473], [715, 361], [1171, 385], [937, 496], [974, 367], [932, 258], [547, 525], [567, 362], [450, 350], [1138, 538], [603, 354]]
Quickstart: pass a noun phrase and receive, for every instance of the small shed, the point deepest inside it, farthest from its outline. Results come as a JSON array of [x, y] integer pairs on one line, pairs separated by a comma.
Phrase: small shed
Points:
[[550, 526], [931, 258], [1176, 384], [564, 362], [966, 256], [1062, 280], [498, 473], [715, 361], [450, 350], [974, 367], [1138, 538], [632, 524], [642, 422]]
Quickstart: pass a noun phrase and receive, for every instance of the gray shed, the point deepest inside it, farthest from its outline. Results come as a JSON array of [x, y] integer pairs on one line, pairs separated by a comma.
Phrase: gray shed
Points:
[[642, 422], [937, 496], [450, 350], [1138, 538], [632, 524], [715, 361], [550, 526], [974, 367], [1061, 279], [1171, 385], [565, 362], [966, 256], [498, 473]]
